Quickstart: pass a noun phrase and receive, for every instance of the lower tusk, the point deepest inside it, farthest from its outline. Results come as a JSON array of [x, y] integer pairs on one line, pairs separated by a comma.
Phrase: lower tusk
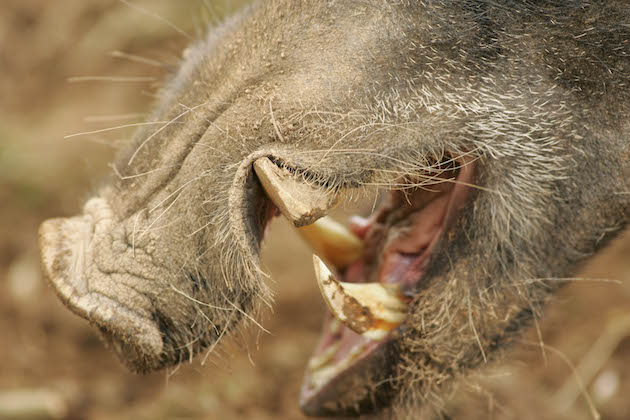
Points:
[[333, 241], [299, 202], [369, 309]]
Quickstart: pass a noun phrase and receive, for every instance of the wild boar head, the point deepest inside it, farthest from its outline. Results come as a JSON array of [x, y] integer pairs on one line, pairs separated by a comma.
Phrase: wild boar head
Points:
[[498, 132]]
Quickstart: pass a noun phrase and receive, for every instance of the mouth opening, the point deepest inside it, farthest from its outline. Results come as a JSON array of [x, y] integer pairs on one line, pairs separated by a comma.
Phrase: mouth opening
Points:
[[387, 251]]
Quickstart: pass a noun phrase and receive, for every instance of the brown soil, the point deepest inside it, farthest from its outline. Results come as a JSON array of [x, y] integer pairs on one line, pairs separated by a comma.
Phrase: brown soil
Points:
[[50, 356]]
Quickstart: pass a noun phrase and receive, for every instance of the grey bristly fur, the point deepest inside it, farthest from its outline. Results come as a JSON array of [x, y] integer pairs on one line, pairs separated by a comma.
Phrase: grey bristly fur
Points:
[[352, 94]]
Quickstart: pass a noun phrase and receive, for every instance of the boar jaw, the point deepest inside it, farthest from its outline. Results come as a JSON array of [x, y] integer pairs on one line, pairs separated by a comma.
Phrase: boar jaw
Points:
[[351, 368]]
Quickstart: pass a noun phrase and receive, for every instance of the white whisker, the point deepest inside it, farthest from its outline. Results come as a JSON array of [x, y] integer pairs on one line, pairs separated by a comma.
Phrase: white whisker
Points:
[[121, 79], [119, 127], [113, 117], [192, 299], [157, 17], [137, 59], [172, 121], [246, 315]]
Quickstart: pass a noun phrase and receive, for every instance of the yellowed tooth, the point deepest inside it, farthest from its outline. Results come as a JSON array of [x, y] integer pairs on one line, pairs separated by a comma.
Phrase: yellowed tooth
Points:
[[333, 241], [369, 309], [299, 202], [321, 360]]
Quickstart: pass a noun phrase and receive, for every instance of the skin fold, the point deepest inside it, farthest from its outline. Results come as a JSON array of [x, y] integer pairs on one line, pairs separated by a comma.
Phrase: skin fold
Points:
[[350, 95]]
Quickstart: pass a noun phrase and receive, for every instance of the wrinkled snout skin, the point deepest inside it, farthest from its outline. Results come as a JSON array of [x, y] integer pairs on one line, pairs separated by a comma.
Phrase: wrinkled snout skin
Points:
[[164, 260]]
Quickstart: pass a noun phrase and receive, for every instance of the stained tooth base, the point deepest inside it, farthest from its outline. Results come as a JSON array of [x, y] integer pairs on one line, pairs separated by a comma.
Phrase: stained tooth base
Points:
[[370, 309]]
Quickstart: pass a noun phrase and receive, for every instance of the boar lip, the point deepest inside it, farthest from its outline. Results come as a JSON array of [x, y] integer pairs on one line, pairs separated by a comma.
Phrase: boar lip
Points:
[[368, 368]]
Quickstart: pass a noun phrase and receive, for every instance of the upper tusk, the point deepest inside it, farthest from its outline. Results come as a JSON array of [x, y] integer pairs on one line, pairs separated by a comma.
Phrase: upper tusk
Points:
[[333, 241], [299, 202], [369, 309]]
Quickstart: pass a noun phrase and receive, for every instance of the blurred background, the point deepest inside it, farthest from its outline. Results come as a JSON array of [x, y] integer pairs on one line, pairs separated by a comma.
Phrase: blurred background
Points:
[[75, 66]]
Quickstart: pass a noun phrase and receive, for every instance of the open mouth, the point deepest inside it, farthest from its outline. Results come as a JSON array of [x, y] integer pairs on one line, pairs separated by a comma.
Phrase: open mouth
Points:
[[368, 273]]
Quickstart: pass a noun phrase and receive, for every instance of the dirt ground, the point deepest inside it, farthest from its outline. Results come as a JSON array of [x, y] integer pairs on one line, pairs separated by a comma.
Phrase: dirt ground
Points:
[[72, 66]]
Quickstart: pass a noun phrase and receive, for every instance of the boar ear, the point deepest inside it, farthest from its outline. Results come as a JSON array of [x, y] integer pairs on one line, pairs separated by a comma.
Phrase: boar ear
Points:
[[68, 247]]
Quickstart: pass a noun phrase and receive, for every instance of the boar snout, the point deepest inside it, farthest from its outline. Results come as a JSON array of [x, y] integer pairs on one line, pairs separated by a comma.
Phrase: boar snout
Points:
[[79, 260], [106, 271]]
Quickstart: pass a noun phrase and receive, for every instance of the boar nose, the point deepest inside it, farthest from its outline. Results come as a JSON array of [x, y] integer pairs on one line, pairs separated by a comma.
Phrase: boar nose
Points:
[[67, 254]]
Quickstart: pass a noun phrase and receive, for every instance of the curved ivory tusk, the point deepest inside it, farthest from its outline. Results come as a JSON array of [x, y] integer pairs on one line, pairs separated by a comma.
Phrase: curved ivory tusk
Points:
[[299, 202], [333, 241], [369, 309]]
